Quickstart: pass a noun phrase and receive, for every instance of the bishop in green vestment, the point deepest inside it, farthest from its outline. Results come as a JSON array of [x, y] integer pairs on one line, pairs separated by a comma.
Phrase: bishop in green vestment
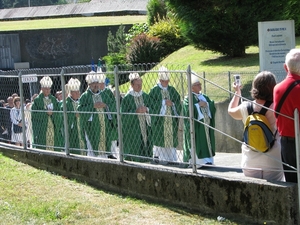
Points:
[[136, 127], [165, 102], [46, 121], [204, 111], [98, 124], [76, 142]]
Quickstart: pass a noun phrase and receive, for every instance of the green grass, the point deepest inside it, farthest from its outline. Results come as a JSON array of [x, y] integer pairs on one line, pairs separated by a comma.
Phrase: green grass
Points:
[[32, 196], [215, 66], [70, 22]]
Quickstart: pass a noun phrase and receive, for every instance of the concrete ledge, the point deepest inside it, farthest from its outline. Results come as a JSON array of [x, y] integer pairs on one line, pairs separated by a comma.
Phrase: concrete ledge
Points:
[[252, 199], [21, 65]]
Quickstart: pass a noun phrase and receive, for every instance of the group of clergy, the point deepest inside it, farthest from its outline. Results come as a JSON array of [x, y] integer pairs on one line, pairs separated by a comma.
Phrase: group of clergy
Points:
[[149, 121]]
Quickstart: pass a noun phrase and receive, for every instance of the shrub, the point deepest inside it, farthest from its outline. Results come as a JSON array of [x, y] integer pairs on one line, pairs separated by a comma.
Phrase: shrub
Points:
[[169, 34], [136, 29], [144, 49]]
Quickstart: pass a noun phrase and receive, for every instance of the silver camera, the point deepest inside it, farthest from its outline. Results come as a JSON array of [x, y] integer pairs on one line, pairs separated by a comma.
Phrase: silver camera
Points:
[[237, 79]]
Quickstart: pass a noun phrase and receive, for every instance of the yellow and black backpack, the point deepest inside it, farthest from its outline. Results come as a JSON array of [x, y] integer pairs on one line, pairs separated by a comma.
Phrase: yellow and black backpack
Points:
[[257, 130]]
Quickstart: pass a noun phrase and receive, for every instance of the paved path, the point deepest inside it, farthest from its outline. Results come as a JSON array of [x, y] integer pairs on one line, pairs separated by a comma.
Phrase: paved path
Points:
[[228, 159], [227, 166]]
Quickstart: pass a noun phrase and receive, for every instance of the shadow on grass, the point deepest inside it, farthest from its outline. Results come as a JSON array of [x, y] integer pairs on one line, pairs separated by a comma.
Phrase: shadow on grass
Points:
[[247, 60], [209, 217]]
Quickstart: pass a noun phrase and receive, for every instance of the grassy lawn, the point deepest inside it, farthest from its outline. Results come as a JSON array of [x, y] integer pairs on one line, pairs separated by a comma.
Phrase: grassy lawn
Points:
[[216, 68], [70, 22], [32, 196]]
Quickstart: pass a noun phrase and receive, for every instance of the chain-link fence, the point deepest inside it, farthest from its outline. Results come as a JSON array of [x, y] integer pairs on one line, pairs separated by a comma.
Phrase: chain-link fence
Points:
[[129, 112]]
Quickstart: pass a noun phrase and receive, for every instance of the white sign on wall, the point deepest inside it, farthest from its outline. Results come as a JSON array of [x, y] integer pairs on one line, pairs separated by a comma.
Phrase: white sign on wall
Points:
[[276, 38], [29, 78]]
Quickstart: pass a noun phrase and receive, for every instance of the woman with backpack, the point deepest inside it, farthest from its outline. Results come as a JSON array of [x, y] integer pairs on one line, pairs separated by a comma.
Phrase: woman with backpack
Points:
[[255, 163]]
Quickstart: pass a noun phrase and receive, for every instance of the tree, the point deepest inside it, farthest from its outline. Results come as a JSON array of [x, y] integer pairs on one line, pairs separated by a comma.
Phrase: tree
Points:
[[116, 46], [228, 27], [293, 13], [156, 10]]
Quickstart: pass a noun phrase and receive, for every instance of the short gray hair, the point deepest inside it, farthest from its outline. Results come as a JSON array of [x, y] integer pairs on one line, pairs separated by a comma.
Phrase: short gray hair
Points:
[[292, 61]]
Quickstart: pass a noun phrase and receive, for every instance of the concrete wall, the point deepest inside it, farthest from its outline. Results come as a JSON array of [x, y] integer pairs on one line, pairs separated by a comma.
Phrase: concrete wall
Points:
[[254, 200], [228, 125], [63, 47]]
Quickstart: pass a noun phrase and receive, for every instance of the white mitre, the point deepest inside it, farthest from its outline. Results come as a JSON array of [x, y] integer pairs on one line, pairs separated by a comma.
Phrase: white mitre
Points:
[[133, 76], [46, 82], [101, 75], [194, 78], [73, 85], [92, 77], [163, 73]]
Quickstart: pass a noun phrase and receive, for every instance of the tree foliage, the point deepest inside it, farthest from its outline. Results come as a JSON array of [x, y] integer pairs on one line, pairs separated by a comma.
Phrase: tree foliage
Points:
[[117, 43], [156, 10], [228, 26], [116, 46], [293, 13]]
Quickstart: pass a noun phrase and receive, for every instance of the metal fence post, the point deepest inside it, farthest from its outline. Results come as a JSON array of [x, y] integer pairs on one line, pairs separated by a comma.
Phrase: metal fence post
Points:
[[117, 92], [229, 84], [66, 129], [182, 86], [22, 111], [204, 83], [297, 138], [191, 119]]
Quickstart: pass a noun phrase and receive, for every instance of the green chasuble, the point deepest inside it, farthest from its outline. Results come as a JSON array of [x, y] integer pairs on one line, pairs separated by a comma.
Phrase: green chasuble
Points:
[[202, 133], [46, 129], [136, 129], [100, 125], [165, 129], [75, 139]]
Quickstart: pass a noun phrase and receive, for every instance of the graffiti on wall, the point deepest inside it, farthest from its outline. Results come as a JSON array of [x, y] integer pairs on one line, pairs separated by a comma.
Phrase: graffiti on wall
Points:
[[52, 46]]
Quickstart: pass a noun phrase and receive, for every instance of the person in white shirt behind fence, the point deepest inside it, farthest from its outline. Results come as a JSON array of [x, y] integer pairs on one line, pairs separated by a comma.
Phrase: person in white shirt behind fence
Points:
[[16, 119]]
